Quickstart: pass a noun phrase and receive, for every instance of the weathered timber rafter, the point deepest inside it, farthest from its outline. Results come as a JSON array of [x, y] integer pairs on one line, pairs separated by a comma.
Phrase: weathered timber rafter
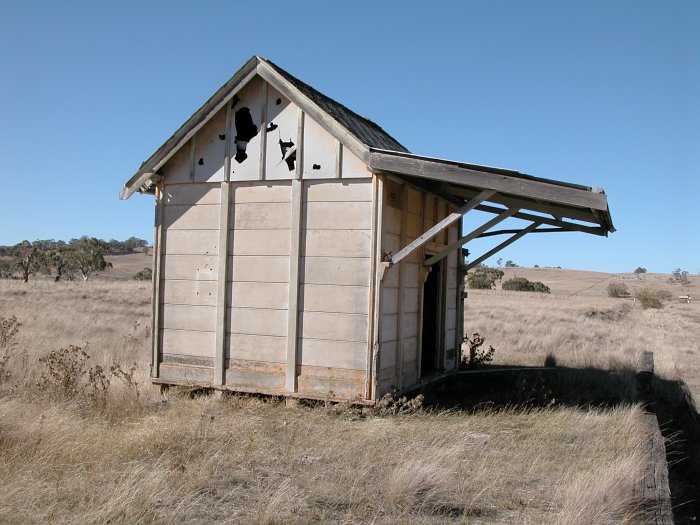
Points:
[[444, 223], [470, 236], [571, 226], [505, 232], [505, 243], [555, 210], [434, 169]]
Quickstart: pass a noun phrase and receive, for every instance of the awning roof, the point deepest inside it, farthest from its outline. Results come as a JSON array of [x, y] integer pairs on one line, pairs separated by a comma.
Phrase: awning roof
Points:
[[554, 203]]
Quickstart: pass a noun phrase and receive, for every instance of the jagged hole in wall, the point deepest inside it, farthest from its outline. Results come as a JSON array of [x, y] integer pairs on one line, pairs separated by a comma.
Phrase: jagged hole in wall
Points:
[[245, 130], [292, 157]]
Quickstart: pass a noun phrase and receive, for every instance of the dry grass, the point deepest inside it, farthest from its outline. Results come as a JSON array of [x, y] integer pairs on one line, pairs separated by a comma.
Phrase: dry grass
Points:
[[581, 327], [250, 461], [246, 460]]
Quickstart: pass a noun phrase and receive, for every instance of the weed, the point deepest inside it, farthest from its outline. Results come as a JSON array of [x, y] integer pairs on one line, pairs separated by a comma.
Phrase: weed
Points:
[[68, 376], [390, 405], [475, 356], [550, 361], [127, 377]]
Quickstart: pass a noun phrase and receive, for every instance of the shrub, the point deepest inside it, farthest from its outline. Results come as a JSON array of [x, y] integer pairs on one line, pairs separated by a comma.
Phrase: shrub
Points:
[[652, 298], [483, 278], [550, 361], [68, 376], [475, 356], [618, 290], [520, 284], [144, 275], [640, 269]]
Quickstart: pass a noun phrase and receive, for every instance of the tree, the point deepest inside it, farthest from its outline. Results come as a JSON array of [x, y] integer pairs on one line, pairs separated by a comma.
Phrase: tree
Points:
[[60, 260], [640, 269], [86, 256], [499, 262], [511, 264], [29, 258], [483, 278], [681, 276]]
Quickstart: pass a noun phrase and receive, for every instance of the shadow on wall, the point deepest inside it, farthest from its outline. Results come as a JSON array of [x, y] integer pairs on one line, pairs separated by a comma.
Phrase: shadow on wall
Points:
[[493, 388]]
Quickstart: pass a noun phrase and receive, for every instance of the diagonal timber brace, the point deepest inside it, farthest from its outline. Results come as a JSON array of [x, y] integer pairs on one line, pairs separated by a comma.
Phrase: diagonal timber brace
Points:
[[470, 236], [444, 223], [505, 243]]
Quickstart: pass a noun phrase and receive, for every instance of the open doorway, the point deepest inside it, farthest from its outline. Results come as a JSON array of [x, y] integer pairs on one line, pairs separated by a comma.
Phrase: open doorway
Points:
[[432, 320]]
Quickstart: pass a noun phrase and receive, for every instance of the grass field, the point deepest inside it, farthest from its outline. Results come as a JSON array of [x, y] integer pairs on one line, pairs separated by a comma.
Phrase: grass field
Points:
[[121, 454]]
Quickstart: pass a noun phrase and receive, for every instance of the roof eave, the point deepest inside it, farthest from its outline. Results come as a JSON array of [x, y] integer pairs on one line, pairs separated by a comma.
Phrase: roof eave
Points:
[[508, 183], [185, 132]]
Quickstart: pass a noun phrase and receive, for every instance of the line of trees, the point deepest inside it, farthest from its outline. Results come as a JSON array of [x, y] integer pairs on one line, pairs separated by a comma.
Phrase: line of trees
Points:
[[63, 260], [112, 247]]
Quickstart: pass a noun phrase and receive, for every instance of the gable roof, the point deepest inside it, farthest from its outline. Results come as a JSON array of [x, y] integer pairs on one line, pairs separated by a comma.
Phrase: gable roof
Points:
[[364, 129], [455, 181], [355, 132]]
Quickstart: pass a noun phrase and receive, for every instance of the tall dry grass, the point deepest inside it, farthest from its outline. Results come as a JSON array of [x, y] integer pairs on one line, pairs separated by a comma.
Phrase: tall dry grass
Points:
[[585, 331], [250, 461], [142, 459]]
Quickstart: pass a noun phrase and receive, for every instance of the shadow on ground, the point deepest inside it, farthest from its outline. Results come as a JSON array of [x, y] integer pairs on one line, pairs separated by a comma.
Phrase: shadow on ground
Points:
[[492, 388]]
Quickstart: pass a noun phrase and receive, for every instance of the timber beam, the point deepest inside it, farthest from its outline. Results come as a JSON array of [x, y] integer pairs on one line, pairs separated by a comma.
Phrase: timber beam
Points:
[[571, 226], [505, 243], [470, 236], [444, 223]]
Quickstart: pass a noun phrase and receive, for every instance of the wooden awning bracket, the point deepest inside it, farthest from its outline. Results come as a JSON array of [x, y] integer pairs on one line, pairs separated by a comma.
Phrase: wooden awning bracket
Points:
[[505, 243], [470, 236], [444, 223]]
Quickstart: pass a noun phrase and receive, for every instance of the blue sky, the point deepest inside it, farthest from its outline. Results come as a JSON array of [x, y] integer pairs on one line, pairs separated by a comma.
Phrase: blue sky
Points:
[[597, 93]]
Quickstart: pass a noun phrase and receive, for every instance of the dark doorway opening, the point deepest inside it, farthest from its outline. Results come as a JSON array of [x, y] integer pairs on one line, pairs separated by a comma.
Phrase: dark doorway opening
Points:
[[432, 319]]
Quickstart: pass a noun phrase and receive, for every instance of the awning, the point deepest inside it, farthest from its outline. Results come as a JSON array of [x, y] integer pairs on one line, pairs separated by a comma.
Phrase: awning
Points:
[[547, 205]]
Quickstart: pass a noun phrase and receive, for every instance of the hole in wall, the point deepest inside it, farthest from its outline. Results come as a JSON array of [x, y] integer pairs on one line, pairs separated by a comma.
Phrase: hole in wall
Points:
[[316, 166], [291, 159], [245, 130], [271, 127], [278, 102], [201, 161], [222, 137]]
